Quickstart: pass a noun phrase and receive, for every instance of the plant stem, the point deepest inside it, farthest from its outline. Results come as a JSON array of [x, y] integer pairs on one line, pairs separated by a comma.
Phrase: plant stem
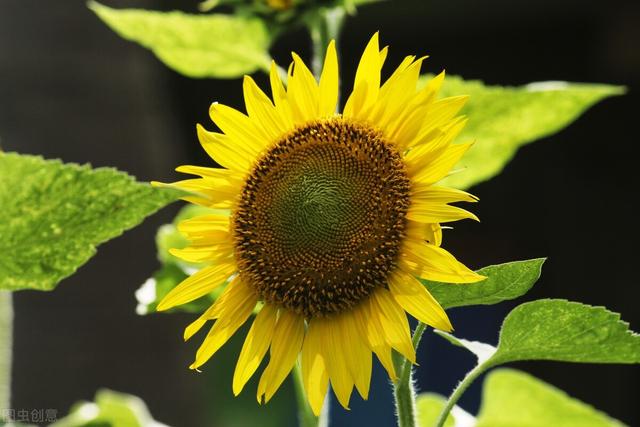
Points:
[[306, 417], [6, 345], [403, 389], [324, 27], [459, 391]]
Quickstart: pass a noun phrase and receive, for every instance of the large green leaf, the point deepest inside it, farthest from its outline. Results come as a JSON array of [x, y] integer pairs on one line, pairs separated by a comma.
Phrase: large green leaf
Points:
[[501, 119], [514, 399], [566, 331], [54, 215], [504, 282], [211, 45], [551, 329], [109, 409]]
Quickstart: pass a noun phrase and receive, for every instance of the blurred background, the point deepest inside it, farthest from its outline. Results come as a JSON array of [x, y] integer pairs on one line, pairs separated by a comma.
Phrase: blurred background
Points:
[[71, 89]]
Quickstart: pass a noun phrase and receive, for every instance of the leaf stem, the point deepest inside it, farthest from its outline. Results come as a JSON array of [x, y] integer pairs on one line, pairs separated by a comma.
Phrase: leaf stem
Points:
[[471, 376], [6, 346], [306, 417], [403, 389]]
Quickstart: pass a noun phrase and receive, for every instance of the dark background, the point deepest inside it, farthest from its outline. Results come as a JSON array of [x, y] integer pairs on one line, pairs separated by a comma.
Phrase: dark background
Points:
[[71, 89]]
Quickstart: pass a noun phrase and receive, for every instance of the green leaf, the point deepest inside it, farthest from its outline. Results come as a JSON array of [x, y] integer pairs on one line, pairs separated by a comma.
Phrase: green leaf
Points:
[[173, 270], [54, 215], [110, 409], [560, 330], [566, 331], [553, 330], [515, 399], [429, 406], [501, 119], [208, 45], [504, 282]]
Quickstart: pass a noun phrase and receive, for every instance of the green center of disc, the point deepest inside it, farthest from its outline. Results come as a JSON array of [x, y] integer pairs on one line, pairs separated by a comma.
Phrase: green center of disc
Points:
[[316, 203], [321, 217]]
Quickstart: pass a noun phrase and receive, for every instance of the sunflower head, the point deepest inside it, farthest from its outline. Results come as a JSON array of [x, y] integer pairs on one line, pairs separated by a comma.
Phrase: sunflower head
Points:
[[321, 217], [332, 220]]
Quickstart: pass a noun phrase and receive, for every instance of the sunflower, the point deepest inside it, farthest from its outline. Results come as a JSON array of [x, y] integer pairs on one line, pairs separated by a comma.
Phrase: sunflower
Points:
[[332, 219]]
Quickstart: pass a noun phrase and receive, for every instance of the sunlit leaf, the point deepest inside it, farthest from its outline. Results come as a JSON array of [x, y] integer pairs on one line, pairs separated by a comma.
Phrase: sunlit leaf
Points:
[[502, 119], [552, 329], [54, 215], [429, 406], [504, 282], [109, 409], [514, 399], [206, 45], [566, 331]]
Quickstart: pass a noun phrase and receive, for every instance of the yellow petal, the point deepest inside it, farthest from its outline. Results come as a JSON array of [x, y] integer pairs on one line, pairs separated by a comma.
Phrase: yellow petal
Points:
[[262, 111], [247, 137], [255, 346], [205, 172], [434, 170], [216, 253], [286, 343], [414, 298], [435, 212], [376, 338], [366, 85], [315, 377], [396, 95], [238, 307], [221, 149], [439, 115], [302, 92], [213, 312], [207, 230], [334, 357], [431, 233], [204, 223], [197, 285], [356, 353], [329, 82], [435, 194], [278, 93], [393, 321], [383, 55], [434, 263]]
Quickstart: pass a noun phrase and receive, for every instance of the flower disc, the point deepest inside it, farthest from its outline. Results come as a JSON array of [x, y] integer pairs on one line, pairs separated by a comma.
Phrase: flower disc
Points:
[[321, 217]]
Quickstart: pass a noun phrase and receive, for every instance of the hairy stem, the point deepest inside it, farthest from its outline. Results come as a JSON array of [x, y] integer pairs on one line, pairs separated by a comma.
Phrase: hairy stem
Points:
[[6, 346], [403, 389], [459, 391]]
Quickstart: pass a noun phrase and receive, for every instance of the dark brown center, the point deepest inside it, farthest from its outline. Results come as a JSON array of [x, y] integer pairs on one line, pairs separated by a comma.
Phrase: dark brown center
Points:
[[321, 217]]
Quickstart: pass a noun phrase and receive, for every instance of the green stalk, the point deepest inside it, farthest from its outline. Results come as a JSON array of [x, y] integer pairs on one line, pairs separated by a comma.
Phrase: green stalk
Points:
[[459, 391], [306, 417], [324, 27], [403, 389], [6, 341]]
